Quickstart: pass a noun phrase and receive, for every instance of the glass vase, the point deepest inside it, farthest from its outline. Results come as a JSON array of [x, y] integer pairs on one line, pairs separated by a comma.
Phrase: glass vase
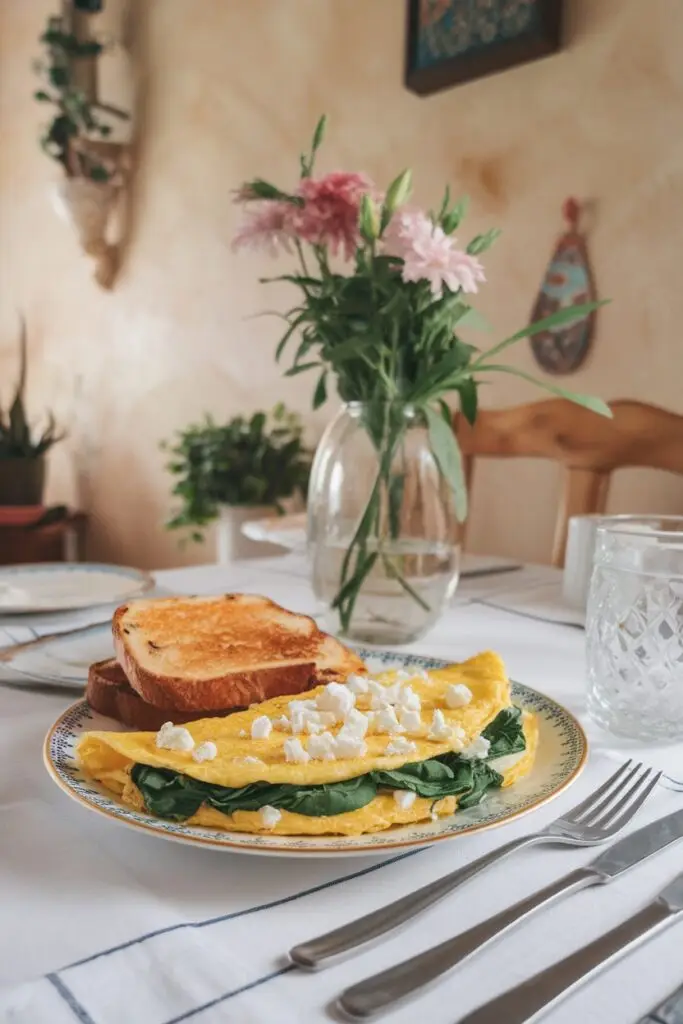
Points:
[[383, 537]]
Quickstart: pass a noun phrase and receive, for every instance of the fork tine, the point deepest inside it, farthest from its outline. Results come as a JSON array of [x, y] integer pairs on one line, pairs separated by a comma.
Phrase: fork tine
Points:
[[623, 819], [596, 811], [586, 804], [602, 820]]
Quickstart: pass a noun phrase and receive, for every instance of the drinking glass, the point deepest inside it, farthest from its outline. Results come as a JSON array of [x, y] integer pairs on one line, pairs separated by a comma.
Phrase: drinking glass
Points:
[[634, 627]]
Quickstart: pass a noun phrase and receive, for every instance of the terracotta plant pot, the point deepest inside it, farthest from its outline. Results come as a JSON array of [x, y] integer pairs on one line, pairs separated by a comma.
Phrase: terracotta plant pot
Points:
[[22, 481]]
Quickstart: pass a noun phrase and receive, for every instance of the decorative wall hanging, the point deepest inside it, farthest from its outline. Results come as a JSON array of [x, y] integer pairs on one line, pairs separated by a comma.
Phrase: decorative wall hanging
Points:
[[95, 169], [451, 41], [568, 281]]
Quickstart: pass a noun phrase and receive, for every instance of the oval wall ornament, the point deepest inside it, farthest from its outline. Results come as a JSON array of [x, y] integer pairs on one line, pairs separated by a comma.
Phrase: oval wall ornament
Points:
[[568, 281]]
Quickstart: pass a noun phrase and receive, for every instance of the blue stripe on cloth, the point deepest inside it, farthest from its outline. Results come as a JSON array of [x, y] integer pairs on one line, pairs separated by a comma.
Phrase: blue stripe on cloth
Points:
[[241, 913], [79, 1011], [231, 995]]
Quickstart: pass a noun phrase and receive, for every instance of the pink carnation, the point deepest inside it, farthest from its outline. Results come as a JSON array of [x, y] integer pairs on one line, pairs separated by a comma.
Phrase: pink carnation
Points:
[[329, 216], [429, 254], [267, 225]]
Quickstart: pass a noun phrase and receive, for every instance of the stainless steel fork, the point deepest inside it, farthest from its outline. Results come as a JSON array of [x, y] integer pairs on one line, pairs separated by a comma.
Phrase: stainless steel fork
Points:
[[596, 819]]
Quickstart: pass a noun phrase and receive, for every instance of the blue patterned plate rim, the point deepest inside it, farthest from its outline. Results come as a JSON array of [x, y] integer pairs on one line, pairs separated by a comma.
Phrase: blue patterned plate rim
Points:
[[558, 727]]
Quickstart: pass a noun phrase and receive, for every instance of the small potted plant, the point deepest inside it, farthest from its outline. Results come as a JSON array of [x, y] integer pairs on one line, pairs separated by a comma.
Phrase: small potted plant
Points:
[[22, 453], [231, 473]]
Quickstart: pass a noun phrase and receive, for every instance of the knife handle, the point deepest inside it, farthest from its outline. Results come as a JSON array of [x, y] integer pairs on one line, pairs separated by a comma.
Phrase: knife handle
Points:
[[520, 1005], [318, 952], [382, 991]]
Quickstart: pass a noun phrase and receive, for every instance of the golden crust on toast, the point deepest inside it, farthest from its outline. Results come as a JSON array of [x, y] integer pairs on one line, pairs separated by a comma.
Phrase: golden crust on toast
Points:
[[185, 653]]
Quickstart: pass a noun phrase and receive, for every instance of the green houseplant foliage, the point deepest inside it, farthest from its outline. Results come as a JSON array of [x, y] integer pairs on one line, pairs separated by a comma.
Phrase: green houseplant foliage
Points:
[[246, 462], [22, 463]]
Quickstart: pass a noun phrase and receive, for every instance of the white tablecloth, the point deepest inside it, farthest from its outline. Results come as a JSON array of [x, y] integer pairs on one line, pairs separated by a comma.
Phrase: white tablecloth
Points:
[[211, 927]]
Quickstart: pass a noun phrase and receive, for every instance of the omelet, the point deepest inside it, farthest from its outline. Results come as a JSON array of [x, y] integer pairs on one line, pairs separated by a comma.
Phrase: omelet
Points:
[[248, 769]]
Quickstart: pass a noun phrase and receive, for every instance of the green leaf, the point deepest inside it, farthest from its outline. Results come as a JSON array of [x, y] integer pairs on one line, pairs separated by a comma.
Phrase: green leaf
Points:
[[288, 334], [587, 401], [320, 394], [319, 133], [473, 318], [557, 319], [42, 96], [467, 390], [505, 733], [299, 368], [483, 242], [447, 453]]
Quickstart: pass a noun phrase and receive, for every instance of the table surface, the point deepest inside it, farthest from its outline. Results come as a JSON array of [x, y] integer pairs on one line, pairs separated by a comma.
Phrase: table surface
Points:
[[47, 843]]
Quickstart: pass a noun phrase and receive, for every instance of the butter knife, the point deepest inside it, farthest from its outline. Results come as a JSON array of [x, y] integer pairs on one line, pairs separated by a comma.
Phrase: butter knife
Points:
[[381, 991], [668, 1012], [7, 653], [529, 1001]]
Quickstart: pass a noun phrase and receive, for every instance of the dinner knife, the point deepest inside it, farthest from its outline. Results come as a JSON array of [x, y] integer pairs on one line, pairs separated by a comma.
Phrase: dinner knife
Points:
[[529, 1001], [668, 1012], [7, 653], [381, 991]]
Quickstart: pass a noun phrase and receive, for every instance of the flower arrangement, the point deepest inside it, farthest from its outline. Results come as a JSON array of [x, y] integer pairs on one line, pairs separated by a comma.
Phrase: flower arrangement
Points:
[[384, 293], [248, 461]]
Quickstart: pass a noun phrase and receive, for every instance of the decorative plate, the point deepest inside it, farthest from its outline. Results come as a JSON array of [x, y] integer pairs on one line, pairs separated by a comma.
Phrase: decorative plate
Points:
[[58, 587], [561, 757]]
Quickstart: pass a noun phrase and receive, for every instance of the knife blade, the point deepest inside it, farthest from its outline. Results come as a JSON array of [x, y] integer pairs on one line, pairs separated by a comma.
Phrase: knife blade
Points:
[[381, 991], [7, 653], [524, 1003]]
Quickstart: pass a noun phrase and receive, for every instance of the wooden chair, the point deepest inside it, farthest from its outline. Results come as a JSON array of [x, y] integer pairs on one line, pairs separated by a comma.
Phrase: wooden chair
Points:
[[588, 446]]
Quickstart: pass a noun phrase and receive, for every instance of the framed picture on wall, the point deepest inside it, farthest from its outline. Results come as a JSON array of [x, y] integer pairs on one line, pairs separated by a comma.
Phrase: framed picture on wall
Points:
[[452, 41]]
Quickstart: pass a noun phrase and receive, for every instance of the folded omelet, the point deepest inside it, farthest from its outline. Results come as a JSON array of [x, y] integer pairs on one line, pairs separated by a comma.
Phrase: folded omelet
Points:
[[391, 778]]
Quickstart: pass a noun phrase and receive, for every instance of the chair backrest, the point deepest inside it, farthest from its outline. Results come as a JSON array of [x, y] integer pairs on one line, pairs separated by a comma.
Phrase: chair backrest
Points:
[[589, 447]]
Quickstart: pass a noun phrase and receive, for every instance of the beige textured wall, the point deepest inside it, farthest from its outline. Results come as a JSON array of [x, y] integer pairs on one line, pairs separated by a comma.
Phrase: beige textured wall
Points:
[[228, 88]]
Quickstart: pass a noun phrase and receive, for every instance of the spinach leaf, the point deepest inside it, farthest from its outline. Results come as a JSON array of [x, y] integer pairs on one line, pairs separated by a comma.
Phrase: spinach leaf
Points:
[[176, 797], [505, 733]]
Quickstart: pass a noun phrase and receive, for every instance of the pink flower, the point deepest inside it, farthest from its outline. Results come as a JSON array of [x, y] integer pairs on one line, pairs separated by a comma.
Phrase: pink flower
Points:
[[329, 216], [429, 254], [267, 225]]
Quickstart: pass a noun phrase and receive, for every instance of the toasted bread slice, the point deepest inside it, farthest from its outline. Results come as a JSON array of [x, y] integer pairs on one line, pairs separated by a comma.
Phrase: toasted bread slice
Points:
[[223, 652], [109, 692]]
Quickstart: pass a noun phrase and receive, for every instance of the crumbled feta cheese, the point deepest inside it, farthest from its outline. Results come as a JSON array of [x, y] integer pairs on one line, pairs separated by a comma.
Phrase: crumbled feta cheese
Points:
[[402, 675], [357, 684], [327, 717], [250, 760], [440, 729], [348, 743], [243, 734], [421, 673], [357, 722], [205, 751], [458, 695], [478, 748], [174, 737], [336, 698], [312, 726], [409, 700], [295, 707], [261, 728], [405, 798], [282, 724], [322, 747], [300, 712], [400, 745], [411, 721], [270, 816], [295, 752], [434, 816], [386, 721], [458, 737], [383, 696]]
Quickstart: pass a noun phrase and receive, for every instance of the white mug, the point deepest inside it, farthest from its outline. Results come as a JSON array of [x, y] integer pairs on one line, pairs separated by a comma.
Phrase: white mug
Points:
[[578, 559]]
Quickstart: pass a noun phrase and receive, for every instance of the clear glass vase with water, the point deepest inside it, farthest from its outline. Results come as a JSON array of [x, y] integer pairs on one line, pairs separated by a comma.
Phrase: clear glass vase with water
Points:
[[375, 477], [634, 628]]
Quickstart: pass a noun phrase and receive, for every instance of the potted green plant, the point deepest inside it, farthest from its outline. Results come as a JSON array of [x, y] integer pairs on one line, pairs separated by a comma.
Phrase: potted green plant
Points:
[[241, 470], [22, 453]]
